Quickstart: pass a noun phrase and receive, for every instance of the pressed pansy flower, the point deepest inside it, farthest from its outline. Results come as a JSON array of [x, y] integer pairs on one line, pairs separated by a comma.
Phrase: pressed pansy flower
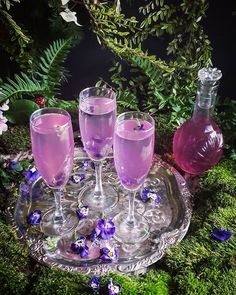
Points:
[[82, 211], [77, 177], [105, 229], [93, 236], [113, 289], [32, 174], [109, 254], [221, 234], [34, 217], [86, 164], [147, 195], [79, 247], [94, 283]]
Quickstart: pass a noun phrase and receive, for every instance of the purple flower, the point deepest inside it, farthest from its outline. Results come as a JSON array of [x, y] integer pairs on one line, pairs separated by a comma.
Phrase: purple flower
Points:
[[34, 217], [80, 247], [78, 177], [24, 187], [85, 164], [94, 283], [90, 109], [105, 229], [82, 212], [113, 289], [12, 165], [139, 126], [109, 254], [93, 236], [31, 174], [147, 195], [221, 234]]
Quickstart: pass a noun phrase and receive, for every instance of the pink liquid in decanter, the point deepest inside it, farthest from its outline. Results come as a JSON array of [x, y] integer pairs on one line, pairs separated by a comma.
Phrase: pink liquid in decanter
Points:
[[198, 143]]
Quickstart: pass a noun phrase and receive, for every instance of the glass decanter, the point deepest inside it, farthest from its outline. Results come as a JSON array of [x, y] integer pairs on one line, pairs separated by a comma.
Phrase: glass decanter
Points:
[[198, 143]]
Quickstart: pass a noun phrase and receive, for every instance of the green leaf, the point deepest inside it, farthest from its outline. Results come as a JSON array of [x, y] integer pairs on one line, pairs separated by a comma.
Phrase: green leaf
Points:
[[20, 111]]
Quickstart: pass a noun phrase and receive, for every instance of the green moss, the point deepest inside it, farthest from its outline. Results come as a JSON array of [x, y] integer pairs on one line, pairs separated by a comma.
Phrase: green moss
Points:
[[206, 281], [130, 285], [222, 177], [16, 139], [13, 262], [55, 281], [155, 283]]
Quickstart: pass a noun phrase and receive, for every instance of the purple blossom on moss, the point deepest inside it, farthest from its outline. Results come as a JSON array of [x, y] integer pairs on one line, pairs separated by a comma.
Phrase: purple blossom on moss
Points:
[[105, 229], [12, 165], [82, 212], [147, 195], [221, 234], [79, 247], [108, 254], [94, 283], [34, 217], [32, 174], [113, 289], [77, 178]]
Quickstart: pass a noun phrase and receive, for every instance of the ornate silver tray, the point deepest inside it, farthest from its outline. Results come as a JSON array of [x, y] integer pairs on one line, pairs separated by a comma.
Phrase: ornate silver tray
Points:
[[168, 220]]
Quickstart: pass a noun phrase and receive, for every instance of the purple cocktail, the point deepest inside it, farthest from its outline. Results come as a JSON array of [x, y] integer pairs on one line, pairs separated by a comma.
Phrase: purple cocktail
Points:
[[133, 154], [53, 151], [97, 120], [53, 148], [97, 114]]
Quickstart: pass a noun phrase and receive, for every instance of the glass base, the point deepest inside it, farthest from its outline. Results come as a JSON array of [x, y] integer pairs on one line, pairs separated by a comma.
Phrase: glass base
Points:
[[127, 235], [51, 228], [104, 203]]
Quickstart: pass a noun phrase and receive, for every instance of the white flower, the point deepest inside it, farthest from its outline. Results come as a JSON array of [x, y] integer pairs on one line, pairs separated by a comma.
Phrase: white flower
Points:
[[69, 16], [3, 125], [118, 7], [5, 106], [64, 2]]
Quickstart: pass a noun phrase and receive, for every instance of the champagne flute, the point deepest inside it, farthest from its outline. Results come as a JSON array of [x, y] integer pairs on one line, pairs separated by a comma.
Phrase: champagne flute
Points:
[[133, 154], [53, 151], [97, 114]]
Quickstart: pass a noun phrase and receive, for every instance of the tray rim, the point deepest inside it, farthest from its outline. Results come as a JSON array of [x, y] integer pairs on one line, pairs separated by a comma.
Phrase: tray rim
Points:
[[166, 239]]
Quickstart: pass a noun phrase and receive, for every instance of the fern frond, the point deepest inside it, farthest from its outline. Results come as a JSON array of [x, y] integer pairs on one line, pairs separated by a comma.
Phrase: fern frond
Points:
[[20, 86], [50, 68]]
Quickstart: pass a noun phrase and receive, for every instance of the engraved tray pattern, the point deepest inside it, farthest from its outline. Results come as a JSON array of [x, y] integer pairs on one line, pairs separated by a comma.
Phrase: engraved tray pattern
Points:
[[168, 221]]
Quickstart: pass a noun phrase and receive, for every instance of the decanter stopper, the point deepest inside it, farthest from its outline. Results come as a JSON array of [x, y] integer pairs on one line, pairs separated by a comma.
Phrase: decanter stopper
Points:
[[209, 75]]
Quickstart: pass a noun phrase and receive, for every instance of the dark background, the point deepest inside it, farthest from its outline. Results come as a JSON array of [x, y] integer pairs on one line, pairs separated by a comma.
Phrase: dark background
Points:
[[88, 60]]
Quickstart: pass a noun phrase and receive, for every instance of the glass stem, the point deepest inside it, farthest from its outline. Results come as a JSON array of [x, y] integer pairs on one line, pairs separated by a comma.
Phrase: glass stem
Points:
[[130, 218], [98, 192], [58, 214]]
